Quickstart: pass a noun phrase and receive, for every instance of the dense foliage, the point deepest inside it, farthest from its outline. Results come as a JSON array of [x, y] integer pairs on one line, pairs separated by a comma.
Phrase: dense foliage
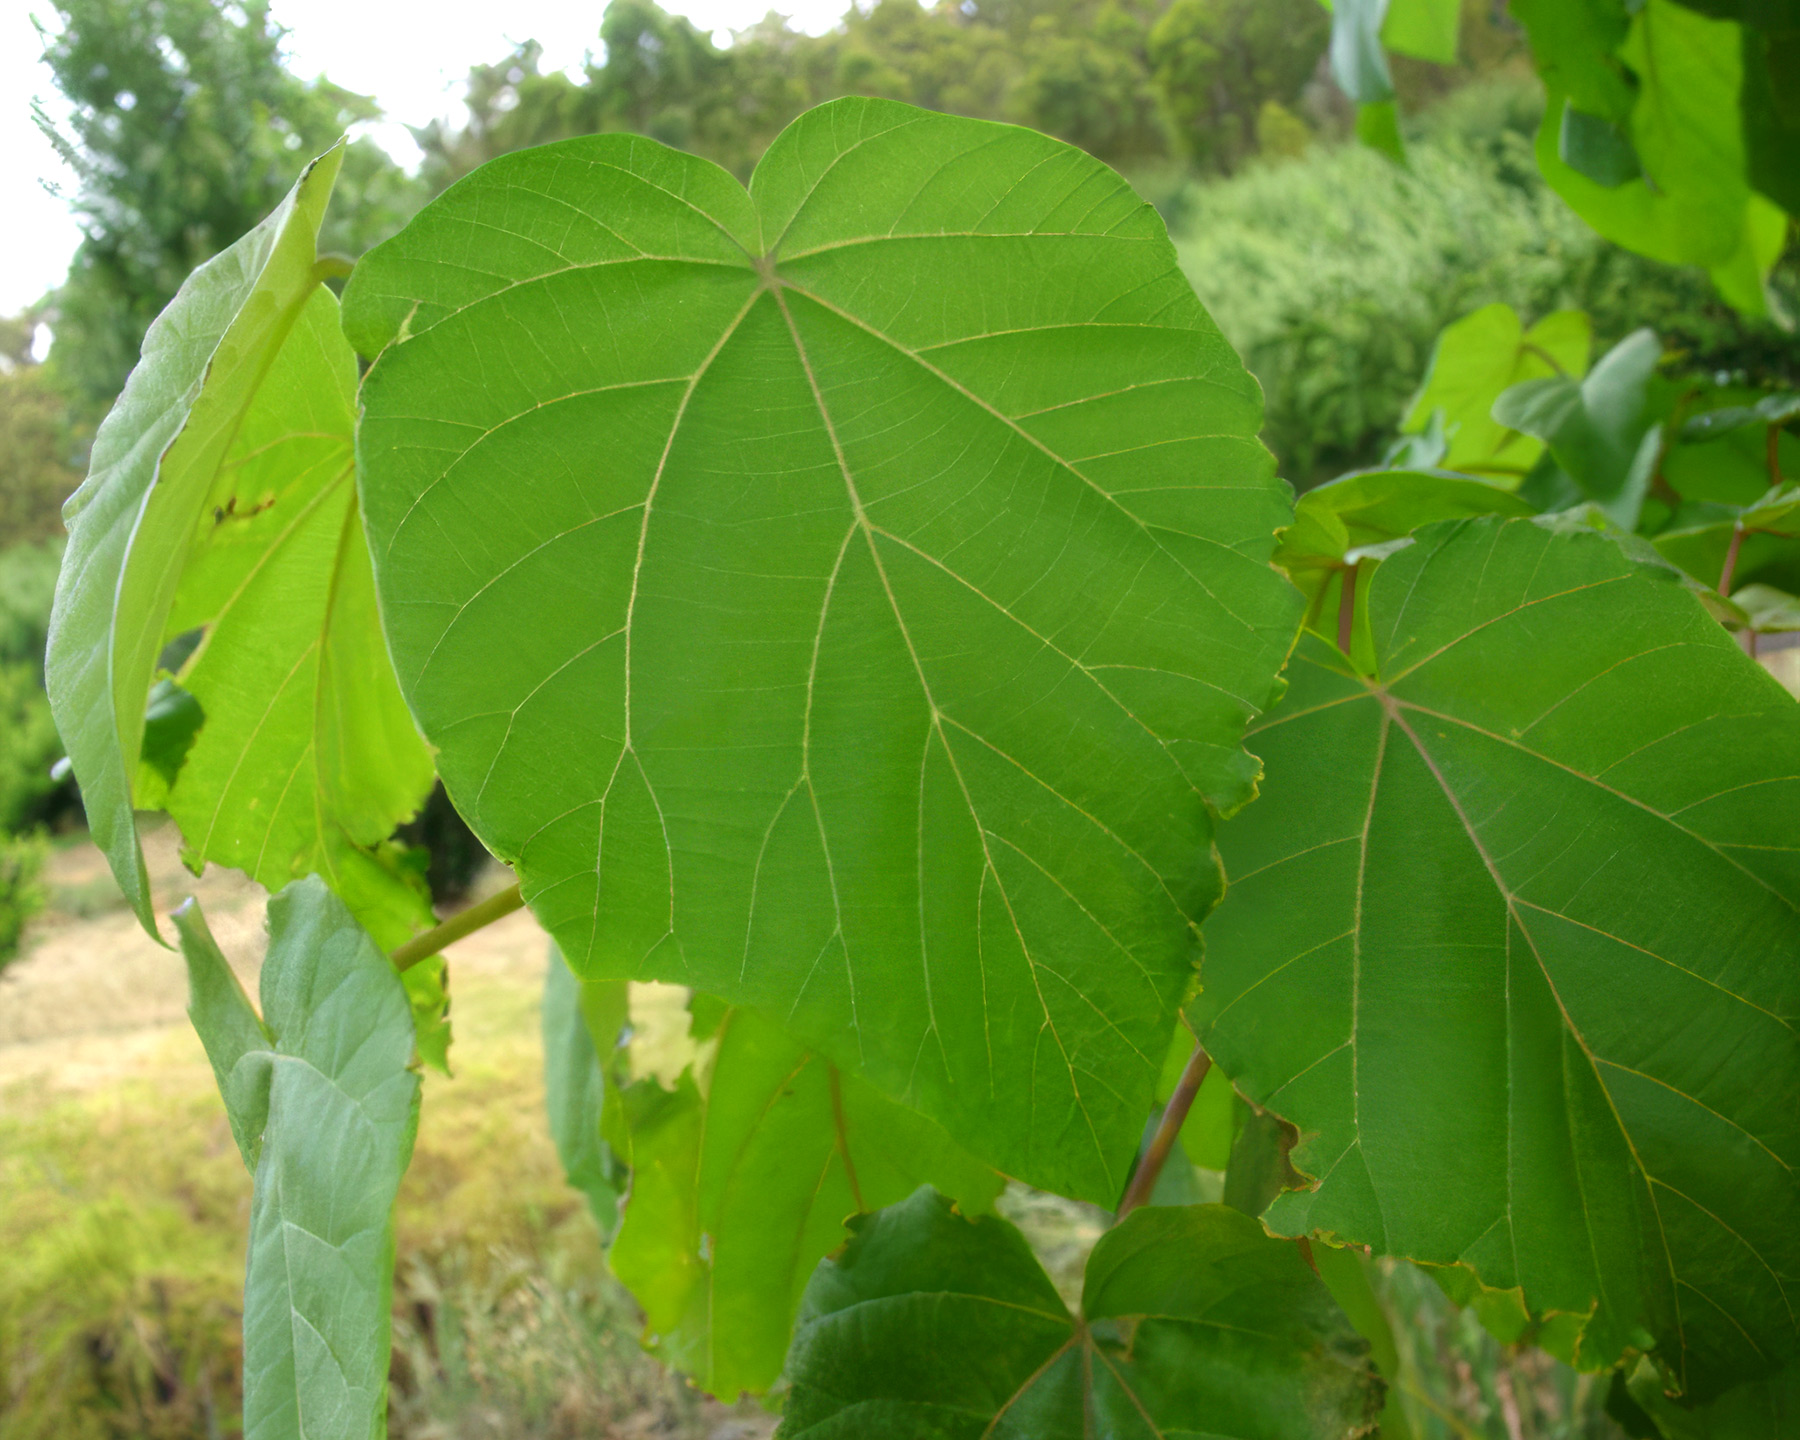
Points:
[[861, 598]]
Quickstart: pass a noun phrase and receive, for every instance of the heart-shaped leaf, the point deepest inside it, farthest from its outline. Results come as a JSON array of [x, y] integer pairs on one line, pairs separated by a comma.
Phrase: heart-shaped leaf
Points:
[[1510, 939], [844, 597], [1194, 1322]]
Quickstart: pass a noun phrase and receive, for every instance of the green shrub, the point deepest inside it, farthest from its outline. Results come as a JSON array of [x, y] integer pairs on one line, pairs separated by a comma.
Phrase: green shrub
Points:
[[21, 897], [28, 747], [1332, 273], [27, 583]]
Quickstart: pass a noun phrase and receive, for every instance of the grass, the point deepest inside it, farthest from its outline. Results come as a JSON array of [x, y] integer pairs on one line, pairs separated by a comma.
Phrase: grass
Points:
[[123, 1210], [124, 1206]]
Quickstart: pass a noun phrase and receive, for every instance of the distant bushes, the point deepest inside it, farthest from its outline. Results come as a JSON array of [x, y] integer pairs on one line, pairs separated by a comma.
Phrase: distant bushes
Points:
[[29, 797], [1332, 273]]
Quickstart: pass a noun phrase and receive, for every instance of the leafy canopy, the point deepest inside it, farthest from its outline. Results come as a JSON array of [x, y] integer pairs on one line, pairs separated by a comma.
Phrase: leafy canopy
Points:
[[886, 672]]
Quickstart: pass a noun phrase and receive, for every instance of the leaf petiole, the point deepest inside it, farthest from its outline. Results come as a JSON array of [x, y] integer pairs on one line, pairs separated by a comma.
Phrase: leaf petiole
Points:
[[1174, 1116], [464, 922]]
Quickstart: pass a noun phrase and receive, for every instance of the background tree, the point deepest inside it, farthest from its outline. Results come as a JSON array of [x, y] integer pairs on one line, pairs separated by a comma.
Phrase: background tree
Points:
[[186, 130], [1218, 62]]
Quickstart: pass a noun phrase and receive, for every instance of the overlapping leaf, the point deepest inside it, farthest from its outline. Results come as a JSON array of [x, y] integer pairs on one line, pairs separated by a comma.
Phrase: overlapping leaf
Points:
[[1194, 1322], [307, 758], [1668, 82], [844, 598], [155, 460], [1510, 939], [1602, 429], [325, 1110], [742, 1181], [1357, 520], [223, 499], [1477, 358]]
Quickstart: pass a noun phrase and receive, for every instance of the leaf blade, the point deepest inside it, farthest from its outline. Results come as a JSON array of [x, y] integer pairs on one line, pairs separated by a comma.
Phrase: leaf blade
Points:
[[803, 544]]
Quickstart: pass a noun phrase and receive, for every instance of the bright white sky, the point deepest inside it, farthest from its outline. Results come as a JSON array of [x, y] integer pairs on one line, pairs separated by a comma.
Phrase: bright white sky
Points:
[[410, 58]]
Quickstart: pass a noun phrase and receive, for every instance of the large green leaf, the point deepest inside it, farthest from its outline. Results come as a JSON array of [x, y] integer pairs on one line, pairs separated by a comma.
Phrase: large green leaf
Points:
[[844, 598], [1673, 84], [1194, 1323], [156, 459], [1510, 939], [741, 1182], [1478, 357], [325, 1109]]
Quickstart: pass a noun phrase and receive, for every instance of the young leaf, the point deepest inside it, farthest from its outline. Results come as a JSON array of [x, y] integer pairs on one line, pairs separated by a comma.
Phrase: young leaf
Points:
[[575, 1082], [844, 598], [1760, 541], [1358, 517], [1193, 1322], [325, 1110], [741, 1182], [1600, 429], [1478, 357], [155, 460], [1508, 940]]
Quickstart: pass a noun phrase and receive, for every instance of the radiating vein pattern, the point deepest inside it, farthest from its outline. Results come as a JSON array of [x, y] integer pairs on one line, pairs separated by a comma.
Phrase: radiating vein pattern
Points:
[[846, 596], [1194, 1323], [1537, 1009]]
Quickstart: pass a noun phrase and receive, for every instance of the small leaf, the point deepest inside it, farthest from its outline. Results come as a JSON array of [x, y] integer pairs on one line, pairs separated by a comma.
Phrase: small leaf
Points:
[[1423, 29], [1769, 611], [1477, 358], [131, 523], [741, 1182], [1600, 429], [1508, 940], [1193, 1322], [1358, 62], [575, 1082], [1357, 517], [1597, 147], [325, 1110]]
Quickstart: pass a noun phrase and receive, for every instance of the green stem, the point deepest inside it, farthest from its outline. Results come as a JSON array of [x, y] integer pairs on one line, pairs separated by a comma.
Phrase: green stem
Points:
[[464, 922], [1174, 1116]]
